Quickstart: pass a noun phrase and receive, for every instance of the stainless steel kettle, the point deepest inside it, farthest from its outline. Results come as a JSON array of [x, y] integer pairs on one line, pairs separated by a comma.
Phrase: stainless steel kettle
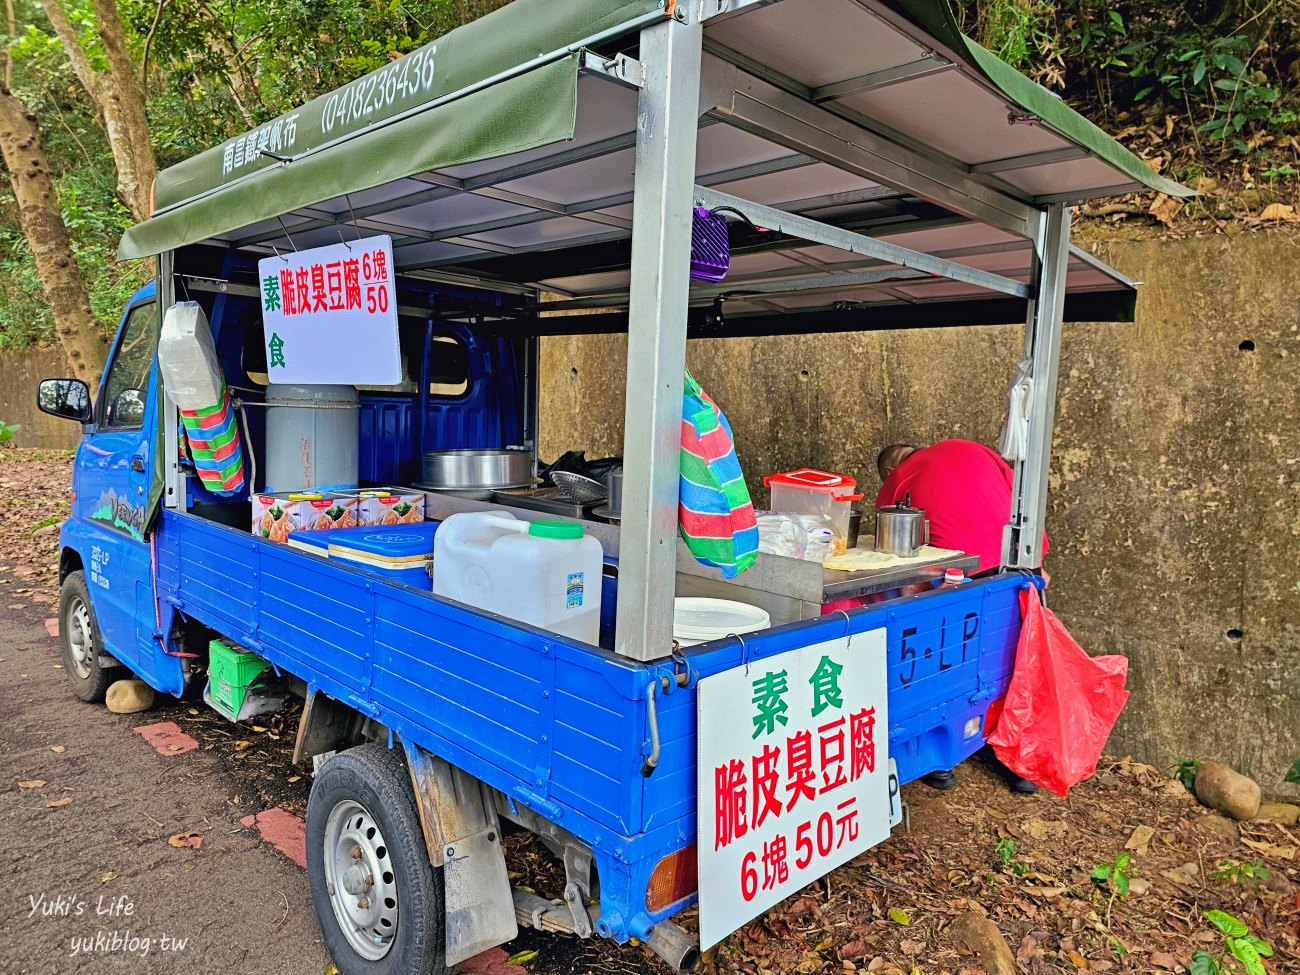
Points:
[[901, 529]]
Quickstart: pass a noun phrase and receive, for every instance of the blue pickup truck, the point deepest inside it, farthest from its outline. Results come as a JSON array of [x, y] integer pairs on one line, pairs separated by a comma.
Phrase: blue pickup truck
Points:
[[527, 195]]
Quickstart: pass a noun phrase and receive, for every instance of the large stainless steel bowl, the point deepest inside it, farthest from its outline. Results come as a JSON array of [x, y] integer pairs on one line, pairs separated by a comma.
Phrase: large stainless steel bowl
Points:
[[477, 470]]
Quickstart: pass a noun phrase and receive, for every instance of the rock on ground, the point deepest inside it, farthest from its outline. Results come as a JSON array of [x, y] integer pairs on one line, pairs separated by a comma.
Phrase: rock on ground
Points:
[[129, 696], [1220, 826], [1279, 812], [1223, 788], [983, 937]]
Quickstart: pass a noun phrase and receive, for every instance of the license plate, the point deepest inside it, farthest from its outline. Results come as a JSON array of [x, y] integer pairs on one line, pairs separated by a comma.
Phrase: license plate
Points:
[[895, 798]]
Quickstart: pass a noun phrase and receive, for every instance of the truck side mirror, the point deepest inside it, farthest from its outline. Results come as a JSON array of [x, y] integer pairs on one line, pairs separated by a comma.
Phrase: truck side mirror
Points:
[[68, 398]]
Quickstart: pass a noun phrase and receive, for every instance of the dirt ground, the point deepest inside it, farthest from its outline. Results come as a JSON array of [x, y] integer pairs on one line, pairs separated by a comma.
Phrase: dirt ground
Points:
[[101, 864], [242, 907]]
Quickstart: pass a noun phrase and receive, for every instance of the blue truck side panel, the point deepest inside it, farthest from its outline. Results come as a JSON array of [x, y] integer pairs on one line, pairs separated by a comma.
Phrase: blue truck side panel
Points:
[[557, 726]]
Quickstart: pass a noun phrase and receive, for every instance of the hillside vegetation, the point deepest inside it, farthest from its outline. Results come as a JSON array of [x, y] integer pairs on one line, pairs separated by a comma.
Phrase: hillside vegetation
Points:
[[1205, 92]]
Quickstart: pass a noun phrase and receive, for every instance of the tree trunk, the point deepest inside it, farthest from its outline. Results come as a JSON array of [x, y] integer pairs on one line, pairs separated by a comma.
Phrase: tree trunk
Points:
[[42, 222], [118, 99], [135, 186]]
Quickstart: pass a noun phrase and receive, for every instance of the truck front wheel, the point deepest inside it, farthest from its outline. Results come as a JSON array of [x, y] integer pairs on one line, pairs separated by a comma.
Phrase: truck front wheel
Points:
[[378, 899], [80, 640]]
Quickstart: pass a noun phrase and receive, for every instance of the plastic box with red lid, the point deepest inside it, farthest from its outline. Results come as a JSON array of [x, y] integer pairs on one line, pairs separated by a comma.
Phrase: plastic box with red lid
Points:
[[809, 491]]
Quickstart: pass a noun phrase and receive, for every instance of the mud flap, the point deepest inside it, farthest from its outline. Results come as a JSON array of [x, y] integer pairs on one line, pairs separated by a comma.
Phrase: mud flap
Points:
[[463, 836]]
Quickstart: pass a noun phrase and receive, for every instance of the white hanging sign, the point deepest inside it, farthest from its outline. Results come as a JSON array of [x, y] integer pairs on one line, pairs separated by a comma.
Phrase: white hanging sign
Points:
[[793, 775], [329, 314]]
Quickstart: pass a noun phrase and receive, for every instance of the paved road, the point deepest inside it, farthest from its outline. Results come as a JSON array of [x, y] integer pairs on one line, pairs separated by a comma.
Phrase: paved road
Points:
[[94, 884], [97, 886]]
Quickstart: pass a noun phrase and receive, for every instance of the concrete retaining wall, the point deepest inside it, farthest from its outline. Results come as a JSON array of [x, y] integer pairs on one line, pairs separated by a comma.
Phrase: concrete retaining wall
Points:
[[20, 371], [1175, 510]]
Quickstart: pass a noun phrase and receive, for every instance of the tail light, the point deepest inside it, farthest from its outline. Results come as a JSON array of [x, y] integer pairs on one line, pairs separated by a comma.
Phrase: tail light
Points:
[[673, 878], [992, 714]]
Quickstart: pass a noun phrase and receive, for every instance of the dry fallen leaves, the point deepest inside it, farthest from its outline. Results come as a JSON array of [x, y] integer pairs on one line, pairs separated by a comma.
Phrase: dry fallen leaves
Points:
[[1140, 840], [191, 839], [106, 877], [30, 783], [1278, 211], [55, 803], [58, 748]]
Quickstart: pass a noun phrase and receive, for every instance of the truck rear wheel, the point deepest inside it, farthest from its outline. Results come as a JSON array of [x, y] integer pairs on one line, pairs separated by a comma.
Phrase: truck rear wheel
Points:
[[378, 899], [81, 642]]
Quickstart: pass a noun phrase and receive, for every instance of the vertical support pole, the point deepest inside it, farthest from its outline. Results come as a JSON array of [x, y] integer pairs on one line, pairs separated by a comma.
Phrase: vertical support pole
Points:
[[173, 480], [1023, 539], [667, 117]]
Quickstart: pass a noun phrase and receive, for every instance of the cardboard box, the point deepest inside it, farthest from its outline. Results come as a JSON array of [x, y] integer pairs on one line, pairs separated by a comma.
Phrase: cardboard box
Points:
[[388, 506], [276, 516]]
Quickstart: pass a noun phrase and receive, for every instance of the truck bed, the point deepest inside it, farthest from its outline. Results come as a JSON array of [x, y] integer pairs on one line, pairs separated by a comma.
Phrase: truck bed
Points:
[[559, 726]]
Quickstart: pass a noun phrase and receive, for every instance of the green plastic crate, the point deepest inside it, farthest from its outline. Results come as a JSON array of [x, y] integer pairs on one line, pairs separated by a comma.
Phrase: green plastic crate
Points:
[[232, 671]]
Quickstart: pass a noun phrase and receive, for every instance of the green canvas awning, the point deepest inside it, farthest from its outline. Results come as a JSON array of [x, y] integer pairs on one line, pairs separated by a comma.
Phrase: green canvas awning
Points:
[[936, 17], [503, 155], [502, 84]]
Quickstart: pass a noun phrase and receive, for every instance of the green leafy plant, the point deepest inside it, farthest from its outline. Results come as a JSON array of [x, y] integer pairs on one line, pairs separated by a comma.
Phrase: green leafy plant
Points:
[[7, 431], [1243, 948], [1235, 871], [1294, 774], [1185, 771], [1007, 857], [1116, 875]]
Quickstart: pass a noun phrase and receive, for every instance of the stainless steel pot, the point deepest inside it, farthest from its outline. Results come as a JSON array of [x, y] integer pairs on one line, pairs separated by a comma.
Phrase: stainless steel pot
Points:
[[477, 470], [901, 529], [612, 509]]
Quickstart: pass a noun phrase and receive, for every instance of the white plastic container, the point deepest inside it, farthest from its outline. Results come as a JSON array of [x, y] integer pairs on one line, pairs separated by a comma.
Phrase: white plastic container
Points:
[[547, 573], [311, 437], [187, 358], [701, 619]]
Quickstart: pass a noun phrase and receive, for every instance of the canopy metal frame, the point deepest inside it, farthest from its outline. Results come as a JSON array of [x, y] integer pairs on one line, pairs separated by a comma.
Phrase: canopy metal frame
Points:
[[672, 92], [868, 226]]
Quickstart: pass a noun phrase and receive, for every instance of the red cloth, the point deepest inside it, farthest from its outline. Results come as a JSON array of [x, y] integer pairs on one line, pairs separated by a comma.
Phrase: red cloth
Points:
[[965, 489]]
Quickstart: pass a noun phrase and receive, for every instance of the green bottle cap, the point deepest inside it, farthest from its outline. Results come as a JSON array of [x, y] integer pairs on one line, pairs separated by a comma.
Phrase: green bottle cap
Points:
[[555, 529]]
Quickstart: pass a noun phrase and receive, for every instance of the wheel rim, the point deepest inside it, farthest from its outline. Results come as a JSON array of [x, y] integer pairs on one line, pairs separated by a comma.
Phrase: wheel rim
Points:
[[81, 640], [360, 881]]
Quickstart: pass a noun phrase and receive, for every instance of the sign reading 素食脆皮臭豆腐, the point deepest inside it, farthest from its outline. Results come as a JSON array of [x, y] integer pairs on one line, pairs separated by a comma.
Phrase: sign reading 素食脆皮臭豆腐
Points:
[[329, 314], [798, 787]]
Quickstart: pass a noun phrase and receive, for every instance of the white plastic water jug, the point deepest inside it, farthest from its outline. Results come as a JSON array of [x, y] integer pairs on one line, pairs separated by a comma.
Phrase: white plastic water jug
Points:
[[547, 573]]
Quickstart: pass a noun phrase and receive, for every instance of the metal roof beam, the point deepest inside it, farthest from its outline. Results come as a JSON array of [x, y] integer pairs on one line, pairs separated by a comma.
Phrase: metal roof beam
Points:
[[823, 233], [1079, 196], [1030, 159], [928, 64], [763, 109]]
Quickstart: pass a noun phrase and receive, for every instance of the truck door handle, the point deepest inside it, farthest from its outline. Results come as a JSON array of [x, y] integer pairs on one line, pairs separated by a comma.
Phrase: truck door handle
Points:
[[137, 464]]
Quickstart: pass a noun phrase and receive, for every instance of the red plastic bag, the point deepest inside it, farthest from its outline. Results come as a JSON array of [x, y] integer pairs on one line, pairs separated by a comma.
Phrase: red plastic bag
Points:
[[1060, 706]]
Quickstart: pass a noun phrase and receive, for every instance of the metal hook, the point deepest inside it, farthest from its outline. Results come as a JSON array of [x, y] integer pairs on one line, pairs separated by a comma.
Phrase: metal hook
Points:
[[292, 244], [744, 651], [347, 198], [278, 254], [848, 637]]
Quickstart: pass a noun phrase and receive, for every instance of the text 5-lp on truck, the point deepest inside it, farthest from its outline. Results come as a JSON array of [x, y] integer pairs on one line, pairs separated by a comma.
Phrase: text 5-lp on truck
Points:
[[310, 465]]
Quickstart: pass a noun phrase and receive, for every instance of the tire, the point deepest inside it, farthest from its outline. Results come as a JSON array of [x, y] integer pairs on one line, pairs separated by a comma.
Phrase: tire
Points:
[[81, 641], [362, 825]]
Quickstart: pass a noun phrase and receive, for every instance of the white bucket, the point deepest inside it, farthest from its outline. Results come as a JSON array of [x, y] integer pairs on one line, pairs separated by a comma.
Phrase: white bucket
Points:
[[699, 619]]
